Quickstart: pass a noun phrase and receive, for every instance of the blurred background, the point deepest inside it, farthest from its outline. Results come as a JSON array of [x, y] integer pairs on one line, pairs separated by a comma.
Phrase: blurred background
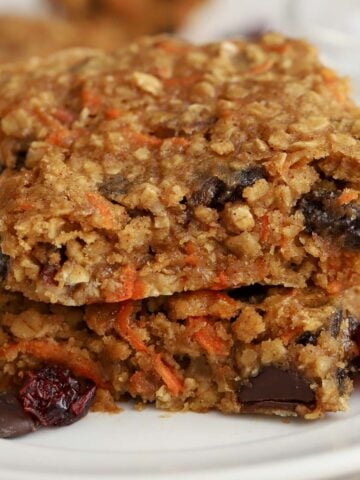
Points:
[[333, 25]]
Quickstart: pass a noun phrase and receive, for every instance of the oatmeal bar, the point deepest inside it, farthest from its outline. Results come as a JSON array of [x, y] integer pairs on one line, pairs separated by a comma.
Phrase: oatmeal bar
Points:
[[22, 37], [143, 16], [167, 167], [253, 349]]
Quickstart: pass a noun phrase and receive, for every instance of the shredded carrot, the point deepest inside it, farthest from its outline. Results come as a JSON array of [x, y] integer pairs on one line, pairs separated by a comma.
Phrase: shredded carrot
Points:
[[129, 281], [140, 385], [113, 113], [334, 287], [286, 337], [169, 377], [138, 290], [347, 196], [61, 137], [180, 141], [333, 82], [191, 257], [90, 98], [264, 228], [262, 68], [61, 354], [123, 327], [182, 81], [64, 116], [102, 206], [278, 48], [143, 138], [25, 206], [172, 47], [220, 281], [207, 337]]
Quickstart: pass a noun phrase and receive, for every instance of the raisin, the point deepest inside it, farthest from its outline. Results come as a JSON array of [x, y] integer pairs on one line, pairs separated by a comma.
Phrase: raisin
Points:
[[307, 338], [324, 216], [4, 259], [20, 159], [254, 294], [335, 323], [209, 193], [54, 397], [214, 192], [114, 187], [340, 377], [245, 178]]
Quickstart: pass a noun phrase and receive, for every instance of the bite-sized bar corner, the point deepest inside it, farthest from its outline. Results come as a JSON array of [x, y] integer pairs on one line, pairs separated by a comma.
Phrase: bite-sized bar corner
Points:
[[167, 167], [270, 351]]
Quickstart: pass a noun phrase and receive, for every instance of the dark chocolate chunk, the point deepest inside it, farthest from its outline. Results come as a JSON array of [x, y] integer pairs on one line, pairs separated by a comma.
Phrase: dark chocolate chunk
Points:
[[113, 187], [14, 422], [276, 388], [4, 259], [252, 293], [307, 338], [335, 323], [324, 216]]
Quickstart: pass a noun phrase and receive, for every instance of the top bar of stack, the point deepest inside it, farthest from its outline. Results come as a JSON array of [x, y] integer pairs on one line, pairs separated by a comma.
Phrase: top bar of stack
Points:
[[167, 167]]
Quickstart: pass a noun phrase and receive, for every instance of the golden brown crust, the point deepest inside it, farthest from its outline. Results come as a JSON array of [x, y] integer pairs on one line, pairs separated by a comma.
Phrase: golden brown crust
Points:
[[167, 167], [195, 351]]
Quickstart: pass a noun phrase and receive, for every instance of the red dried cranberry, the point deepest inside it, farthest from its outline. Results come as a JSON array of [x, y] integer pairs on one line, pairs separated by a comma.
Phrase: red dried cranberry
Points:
[[55, 397]]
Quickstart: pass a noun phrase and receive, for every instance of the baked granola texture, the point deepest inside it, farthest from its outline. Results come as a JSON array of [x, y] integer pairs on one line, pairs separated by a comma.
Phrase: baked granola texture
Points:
[[167, 167], [22, 38], [144, 16], [250, 350]]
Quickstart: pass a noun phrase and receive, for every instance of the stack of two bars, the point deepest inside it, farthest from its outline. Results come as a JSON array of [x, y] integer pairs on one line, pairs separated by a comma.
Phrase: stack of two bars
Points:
[[184, 225]]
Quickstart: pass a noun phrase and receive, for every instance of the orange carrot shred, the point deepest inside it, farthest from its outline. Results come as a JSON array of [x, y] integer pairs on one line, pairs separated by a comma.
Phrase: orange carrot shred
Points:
[[61, 354], [347, 196], [207, 337], [263, 67], [113, 113], [220, 281], [123, 327], [129, 288], [102, 206], [171, 380], [334, 287]]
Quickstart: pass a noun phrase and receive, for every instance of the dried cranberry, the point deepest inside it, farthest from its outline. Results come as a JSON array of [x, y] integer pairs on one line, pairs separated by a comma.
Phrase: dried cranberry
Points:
[[55, 397]]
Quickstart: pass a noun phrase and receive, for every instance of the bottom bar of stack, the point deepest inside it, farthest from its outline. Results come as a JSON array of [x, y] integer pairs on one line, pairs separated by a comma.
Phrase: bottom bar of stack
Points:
[[254, 349]]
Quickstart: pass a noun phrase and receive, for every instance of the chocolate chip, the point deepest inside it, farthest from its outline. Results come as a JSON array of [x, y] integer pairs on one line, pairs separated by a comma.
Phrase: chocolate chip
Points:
[[324, 216], [114, 187], [4, 259], [254, 294], [276, 388], [335, 323], [14, 422], [307, 338]]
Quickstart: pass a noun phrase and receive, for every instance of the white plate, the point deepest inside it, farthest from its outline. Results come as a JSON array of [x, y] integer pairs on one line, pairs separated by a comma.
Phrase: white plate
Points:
[[151, 445], [157, 446]]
